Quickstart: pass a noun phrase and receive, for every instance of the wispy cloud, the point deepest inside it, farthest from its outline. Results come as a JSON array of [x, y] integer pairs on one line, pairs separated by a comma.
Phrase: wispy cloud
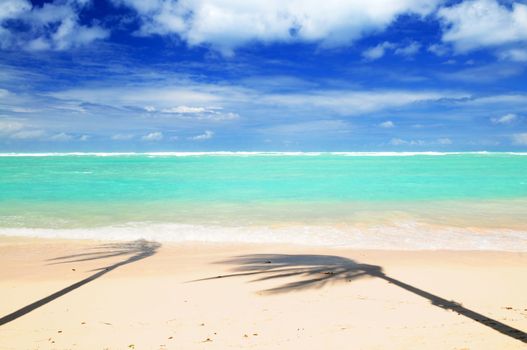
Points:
[[122, 137], [61, 137], [28, 135], [153, 136], [520, 139], [443, 141], [387, 124], [205, 136], [505, 119]]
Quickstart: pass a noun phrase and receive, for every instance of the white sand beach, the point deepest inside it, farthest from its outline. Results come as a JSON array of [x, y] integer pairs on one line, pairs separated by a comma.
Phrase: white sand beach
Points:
[[144, 295]]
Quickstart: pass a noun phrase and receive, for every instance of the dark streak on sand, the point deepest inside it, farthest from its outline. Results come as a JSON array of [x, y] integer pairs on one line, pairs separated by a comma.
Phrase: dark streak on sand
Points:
[[319, 270], [136, 250]]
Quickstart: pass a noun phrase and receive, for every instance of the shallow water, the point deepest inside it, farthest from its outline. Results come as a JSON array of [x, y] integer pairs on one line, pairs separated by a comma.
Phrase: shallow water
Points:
[[375, 200]]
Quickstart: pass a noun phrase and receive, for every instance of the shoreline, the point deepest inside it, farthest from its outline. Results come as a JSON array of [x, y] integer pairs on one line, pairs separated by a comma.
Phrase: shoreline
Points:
[[170, 296]]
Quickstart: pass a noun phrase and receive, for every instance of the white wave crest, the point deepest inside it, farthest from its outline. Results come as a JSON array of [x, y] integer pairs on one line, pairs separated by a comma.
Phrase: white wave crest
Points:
[[401, 236], [245, 154]]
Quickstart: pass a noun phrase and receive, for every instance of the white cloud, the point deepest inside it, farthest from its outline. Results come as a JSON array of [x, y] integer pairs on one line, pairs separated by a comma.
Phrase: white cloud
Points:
[[377, 52], [316, 127], [163, 96], [28, 134], [13, 8], [52, 26], [499, 99], [440, 141], [61, 137], [200, 113], [520, 139], [398, 142], [444, 141], [474, 24], [408, 50], [184, 110], [517, 55], [150, 109], [483, 73], [380, 50], [10, 9], [438, 49], [357, 102], [4, 93], [505, 119], [23, 110], [218, 22], [9, 126], [17, 130], [153, 136], [174, 95], [84, 138], [122, 137], [401, 142], [205, 136], [387, 124]]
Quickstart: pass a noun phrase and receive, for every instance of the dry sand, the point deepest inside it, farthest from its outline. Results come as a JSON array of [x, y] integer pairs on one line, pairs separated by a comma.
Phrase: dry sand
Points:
[[281, 297]]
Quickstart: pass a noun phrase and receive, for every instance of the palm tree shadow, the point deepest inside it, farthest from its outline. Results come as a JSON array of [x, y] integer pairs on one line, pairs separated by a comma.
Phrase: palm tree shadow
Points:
[[130, 251], [316, 271]]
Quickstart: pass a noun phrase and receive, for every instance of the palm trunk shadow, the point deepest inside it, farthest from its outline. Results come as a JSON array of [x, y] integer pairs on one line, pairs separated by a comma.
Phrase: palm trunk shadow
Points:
[[315, 271], [140, 249]]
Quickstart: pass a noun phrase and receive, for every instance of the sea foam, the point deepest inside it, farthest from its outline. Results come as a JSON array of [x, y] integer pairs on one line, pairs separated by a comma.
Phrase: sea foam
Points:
[[400, 236]]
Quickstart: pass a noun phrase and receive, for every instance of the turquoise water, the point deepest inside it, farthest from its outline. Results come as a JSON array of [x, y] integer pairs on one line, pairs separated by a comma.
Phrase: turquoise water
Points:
[[232, 190], [262, 178]]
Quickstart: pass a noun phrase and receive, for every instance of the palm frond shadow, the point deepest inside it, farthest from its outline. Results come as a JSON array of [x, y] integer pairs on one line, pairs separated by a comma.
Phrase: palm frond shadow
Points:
[[130, 251], [317, 271]]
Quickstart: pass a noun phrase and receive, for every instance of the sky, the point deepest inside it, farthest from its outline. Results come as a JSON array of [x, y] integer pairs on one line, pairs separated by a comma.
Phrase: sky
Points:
[[263, 75]]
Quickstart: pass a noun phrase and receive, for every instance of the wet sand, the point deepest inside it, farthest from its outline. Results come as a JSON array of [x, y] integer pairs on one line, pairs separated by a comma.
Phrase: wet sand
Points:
[[65, 294]]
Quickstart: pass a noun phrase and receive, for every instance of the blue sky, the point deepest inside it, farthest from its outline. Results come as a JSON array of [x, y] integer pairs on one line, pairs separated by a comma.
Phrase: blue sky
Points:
[[262, 75]]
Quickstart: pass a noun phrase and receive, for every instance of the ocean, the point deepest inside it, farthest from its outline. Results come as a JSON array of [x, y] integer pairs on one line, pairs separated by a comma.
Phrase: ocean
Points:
[[461, 201]]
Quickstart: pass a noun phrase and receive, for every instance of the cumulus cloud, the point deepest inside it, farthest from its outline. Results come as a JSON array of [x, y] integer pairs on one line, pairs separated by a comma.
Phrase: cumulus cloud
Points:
[[376, 52], [505, 119], [387, 124], [217, 22], [475, 24], [205, 136], [52, 26], [153, 136], [520, 139]]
